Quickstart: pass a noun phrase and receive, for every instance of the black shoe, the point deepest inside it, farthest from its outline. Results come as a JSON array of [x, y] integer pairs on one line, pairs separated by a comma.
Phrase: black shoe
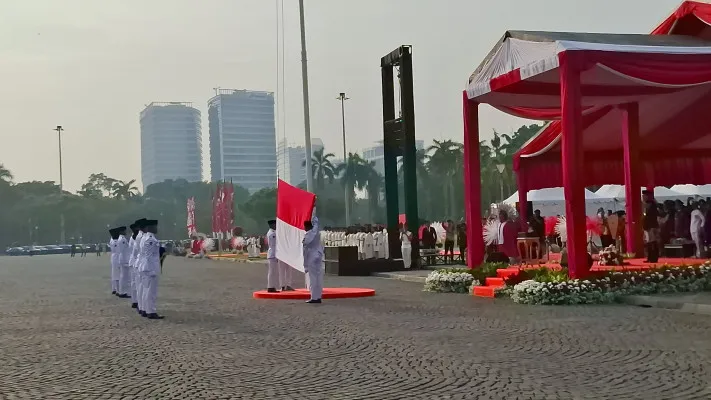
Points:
[[134, 305], [272, 290], [113, 292], [314, 301], [123, 296], [143, 313], [154, 316], [288, 289]]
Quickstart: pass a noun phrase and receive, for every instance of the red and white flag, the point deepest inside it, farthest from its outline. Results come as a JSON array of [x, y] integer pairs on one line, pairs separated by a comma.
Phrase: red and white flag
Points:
[[191, 217], [294, 207]]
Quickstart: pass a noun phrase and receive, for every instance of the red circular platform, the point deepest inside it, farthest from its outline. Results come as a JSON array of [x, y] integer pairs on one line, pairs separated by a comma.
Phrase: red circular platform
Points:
[[303, 294]]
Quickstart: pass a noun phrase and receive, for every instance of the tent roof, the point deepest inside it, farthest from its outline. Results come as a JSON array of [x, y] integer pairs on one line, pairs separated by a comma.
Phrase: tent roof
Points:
[[618, 192], [550, 195], [538, 162], [693, 190]]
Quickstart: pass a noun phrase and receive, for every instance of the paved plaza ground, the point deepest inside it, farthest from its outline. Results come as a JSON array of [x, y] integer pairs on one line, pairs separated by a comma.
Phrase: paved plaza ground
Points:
[[62, 336]]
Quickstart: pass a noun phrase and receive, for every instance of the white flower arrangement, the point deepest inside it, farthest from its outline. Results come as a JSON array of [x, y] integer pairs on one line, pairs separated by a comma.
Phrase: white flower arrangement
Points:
[[448, 281], [610, 288]]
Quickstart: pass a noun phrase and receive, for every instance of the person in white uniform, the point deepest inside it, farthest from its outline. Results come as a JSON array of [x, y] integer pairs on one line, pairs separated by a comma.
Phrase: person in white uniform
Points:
[[123, 259], [406, 246], [697, 228], [115, 270], [368, 245], [313, 259], [136, 253], [150, 268], [132, 262], [386, 244], [272, 262]]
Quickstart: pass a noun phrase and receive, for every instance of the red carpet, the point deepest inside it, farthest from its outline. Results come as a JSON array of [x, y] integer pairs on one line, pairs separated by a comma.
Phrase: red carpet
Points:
[[303, 294]]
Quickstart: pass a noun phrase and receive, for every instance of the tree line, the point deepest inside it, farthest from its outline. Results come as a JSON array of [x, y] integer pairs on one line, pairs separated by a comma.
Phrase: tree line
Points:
[[31, 211]]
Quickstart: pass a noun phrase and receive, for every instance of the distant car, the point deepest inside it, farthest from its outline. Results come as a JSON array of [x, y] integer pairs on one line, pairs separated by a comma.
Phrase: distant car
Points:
[[53, 249], [15, 251]]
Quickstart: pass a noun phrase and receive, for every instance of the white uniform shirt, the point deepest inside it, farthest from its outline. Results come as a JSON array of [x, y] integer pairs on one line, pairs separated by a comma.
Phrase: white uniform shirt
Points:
[[113, 245], [369, 244], [313, 250], [150, 254], [271, 241], [132, 256], [404, 239], [697, 221], [136, 252], [123, 251]]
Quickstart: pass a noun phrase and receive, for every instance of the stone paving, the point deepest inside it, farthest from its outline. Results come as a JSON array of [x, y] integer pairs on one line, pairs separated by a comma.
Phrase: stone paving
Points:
[[62, 336]]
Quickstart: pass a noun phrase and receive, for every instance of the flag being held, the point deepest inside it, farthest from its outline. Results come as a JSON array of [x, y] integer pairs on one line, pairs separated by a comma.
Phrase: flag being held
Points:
[[294, 207]]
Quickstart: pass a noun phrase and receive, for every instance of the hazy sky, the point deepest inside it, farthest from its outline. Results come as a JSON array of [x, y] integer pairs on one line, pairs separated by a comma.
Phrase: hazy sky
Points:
[[91, 66]]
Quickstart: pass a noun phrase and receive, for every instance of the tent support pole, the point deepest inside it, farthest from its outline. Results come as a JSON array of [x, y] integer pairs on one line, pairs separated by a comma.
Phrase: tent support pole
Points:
[[633, 204], [573, 164], [472, 184]]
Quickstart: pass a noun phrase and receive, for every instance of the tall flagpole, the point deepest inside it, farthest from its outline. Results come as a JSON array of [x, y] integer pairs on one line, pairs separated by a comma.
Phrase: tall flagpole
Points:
[[307, 119]]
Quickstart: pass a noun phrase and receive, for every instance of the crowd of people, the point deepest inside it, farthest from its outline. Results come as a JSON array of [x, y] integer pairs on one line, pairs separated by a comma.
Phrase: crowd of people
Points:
[[135, 265]]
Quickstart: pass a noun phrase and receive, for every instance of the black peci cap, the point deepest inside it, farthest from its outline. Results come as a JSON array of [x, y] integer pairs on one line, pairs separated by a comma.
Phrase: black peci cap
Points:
[[271, 221], [150, 222]]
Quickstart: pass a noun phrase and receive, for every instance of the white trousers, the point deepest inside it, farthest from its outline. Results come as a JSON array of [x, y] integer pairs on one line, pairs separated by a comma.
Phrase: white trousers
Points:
[[699, 241], [406, 256], [134, 285], [115, 277], [125, 280], [314, 281], [272, 273], [150, 292], [285, 275], [139, 288]]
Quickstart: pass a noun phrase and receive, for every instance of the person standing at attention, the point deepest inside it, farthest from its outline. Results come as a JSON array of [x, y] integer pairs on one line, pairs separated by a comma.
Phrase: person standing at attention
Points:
[[313, 259], [697, 228], [113, 244], [273, 263], [124, 286], [450, 231], [150, 268], [137, 260], [651, 226], [406, 245]]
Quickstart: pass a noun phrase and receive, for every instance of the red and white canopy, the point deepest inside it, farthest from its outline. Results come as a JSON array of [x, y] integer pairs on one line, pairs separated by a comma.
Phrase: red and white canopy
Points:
[[537, 163]]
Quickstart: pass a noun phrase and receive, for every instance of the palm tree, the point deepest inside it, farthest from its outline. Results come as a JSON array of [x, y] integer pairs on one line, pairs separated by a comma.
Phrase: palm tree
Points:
[[445, 161], [423, 179], [5, 174], [354, 174], [321, 167], [124, 190], [374, 187]]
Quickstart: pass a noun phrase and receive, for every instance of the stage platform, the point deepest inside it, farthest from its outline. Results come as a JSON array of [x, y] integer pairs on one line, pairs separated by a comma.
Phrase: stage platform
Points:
[[303, 294]]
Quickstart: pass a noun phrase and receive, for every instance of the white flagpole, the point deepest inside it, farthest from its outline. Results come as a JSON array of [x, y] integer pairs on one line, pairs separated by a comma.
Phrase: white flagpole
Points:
[[307, 119]]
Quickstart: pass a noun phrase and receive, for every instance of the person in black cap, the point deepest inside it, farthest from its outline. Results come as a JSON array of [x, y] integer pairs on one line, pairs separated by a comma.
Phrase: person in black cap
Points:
[[651, 226], [136, 258], [123, 259], [149, 269], [273, 263], [115, 271], [131, 263]]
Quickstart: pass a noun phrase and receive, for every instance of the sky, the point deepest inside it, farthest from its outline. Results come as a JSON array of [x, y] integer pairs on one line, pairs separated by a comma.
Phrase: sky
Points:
[[92, 66]]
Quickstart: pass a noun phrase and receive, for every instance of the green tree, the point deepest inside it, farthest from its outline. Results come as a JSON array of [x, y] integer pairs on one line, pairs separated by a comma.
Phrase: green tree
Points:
[[321, 167], [124, 190], [261, 206], [445, 163], [354, 174], [5, 174]]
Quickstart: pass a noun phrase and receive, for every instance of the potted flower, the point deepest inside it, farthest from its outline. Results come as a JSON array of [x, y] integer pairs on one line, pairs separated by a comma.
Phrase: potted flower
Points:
[[610, 256]]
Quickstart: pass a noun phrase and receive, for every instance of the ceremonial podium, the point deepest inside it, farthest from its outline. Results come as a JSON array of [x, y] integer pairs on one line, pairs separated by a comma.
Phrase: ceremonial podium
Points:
[[343, 261]]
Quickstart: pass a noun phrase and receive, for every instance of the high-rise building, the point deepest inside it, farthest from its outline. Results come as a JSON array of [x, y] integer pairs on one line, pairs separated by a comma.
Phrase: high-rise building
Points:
[[171, 143], [291, 160], [377, 154], [243, 138]]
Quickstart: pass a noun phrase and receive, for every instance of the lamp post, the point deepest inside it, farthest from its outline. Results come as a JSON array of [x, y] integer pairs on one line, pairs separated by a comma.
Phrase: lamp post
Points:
[[59, 130], [305, 85], [342, 97], [501, 168]]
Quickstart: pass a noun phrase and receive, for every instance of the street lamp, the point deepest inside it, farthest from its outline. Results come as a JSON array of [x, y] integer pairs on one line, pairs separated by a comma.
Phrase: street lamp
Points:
[[342, 97], [59, 130], [501, 168]]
